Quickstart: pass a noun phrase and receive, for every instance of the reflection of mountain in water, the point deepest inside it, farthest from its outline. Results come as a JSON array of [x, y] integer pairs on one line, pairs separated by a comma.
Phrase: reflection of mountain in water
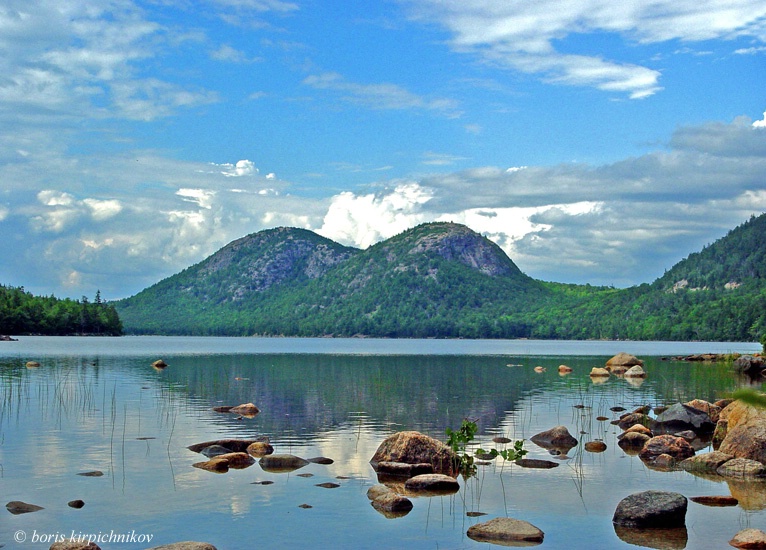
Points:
[[313, 393]]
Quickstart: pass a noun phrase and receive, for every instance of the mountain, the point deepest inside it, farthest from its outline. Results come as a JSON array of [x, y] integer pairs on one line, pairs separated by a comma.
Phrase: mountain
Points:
[[445, 280], [439, 279]]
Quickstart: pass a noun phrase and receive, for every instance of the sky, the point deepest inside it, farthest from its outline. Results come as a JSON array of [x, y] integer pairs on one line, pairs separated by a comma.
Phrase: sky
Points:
[[595, 141]]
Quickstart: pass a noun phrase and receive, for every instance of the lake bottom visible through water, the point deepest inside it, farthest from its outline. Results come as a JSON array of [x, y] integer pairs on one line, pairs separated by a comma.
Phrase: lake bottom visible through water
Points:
[[97, 405]]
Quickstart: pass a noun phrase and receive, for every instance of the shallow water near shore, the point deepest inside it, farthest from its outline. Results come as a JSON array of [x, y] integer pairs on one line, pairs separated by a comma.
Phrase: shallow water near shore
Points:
[[97, 404]]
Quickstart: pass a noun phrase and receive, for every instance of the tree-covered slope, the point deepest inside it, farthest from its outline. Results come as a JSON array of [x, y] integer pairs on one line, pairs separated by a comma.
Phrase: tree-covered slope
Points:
[[444, 280], [23, 313]]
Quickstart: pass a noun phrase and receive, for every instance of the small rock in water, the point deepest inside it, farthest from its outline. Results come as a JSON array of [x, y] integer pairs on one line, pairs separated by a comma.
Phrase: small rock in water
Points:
[[305, 475], [595, 446], [321, 460], [17, 507], [501, 440], [328, 485], [75, 503], [506, 531], [159, 364], [264, 482], [618, 409], [305, 506], [651, 509], [92, 473], [475, 514], [715, 500], [750, 539]]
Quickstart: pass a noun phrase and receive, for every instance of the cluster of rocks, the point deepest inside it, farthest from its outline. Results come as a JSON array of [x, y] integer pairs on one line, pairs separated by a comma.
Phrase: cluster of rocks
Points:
[[6, 338], [622, 364], [238, 454]]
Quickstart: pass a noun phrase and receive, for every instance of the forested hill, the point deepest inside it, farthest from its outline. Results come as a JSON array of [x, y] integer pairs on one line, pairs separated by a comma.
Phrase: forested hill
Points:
[[444, 280], [438, 279], [23, 313]]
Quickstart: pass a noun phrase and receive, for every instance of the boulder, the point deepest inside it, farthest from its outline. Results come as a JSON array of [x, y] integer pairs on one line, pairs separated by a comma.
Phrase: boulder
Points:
[[564, 369], [707, 463], [238, 461], [321, 460], [557, 438], [32, 364], [745, 432], [629, 420], [664, 462], [416, 448], [77, 504], [506, 532], [282, 463], [749, 539], [651, 509], [741, 468], [246, 409], [676, 447], [623, 359], [17, 507], [637, 428], [388, 502], [432, 484], [680, 417], [713, 411], [598, 372], [633, 442], [635, 372], [595, 446], [159, 364], [750, 364], [259, 449]]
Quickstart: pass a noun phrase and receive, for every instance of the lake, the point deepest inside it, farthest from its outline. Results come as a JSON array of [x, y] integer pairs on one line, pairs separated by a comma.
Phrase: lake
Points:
[[96, 404]]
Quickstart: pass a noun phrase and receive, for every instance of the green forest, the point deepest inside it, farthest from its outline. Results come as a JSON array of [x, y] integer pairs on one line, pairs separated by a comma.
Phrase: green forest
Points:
[[21, 313], [433, 281]]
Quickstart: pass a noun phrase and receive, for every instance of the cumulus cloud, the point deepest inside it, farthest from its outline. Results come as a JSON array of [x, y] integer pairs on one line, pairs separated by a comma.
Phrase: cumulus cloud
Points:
[[524, 36], [241, 168], [760, 123]]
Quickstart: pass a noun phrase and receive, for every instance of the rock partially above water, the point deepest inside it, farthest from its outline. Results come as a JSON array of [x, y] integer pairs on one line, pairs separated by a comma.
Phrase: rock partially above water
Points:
[[282, 463], [742, 468], [503, 531], [416, 448], [676, 447], [706, 463], [680, 417], [651, 509], [17, 507], [624, 360], [749, 539], [557, 438], [433, 484]]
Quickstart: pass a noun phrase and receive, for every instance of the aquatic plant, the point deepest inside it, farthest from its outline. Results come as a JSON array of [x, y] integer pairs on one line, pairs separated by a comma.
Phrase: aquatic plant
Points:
[[459, 441]]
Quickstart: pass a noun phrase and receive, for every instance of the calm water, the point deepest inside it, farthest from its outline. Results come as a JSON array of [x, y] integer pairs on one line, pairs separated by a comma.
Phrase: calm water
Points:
[[96, 404]]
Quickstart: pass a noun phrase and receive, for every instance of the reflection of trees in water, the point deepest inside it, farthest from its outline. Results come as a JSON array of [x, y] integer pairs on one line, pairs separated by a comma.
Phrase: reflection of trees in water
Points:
[[311, 394]]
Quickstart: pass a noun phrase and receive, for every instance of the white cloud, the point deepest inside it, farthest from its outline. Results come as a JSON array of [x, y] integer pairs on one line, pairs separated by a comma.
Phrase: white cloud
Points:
[[201, 197], [524, 35], [363, 220], [241, 168], [760, 123], [231, 55], [382, 96]]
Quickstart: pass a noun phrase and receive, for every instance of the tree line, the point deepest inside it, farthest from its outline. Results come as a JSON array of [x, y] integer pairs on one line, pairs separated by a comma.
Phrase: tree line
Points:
[[22, 313]]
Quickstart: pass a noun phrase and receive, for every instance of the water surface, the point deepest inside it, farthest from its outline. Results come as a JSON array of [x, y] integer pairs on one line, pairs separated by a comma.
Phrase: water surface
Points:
[[96, 404]]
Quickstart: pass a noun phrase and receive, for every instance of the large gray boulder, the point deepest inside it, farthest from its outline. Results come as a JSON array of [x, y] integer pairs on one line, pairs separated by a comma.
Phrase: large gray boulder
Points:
[[679, 418], [651, 509]]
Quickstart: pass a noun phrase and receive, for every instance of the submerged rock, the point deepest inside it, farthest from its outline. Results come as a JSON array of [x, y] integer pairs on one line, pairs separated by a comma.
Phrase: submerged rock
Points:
[[17, 507], [506, 531], [282, 463], [651, 509], [246, 409], [536, 463]]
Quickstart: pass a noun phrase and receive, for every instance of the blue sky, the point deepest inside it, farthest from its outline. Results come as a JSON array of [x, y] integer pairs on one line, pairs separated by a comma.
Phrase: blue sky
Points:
[[594, 141]]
